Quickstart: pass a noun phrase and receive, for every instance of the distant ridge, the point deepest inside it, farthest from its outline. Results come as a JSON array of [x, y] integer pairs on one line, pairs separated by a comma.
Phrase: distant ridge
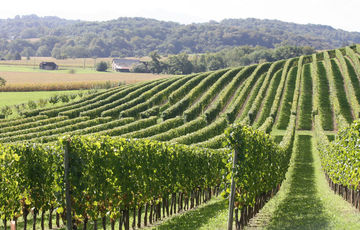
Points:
[[138, 36]]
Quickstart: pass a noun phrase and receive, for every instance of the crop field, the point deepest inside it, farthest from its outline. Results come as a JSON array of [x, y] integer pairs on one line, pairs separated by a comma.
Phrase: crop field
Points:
[[34, 62], [80, 72], [143, 151], [15, 77]]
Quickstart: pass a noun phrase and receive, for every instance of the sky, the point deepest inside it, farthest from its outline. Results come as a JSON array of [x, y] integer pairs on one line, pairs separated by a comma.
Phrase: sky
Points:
[[338, 14]]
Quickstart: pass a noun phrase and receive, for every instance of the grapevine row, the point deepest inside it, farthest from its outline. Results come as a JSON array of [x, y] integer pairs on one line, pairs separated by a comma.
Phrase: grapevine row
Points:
[[133, 99], [306, 97], [82, 102], [266, 89], [233, 109], [322, 101], [158, 98], [340, 119], [179, 107], [348, 83], [198, 107], [218, 105], [150, 173]]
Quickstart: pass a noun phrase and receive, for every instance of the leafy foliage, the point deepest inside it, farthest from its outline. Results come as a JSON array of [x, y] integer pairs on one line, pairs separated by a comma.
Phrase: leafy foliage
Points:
[[2, 82], [129, 37], [192, 110], [305, 103], [325, 110], [340, 158], [340, 92], [149, 171], [261, 164], [101, 66], [288, 98]]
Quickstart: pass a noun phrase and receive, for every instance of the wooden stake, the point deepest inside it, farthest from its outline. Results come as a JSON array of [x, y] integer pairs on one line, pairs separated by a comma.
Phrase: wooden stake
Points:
[[13, 225], [67, 186], [232, 193]]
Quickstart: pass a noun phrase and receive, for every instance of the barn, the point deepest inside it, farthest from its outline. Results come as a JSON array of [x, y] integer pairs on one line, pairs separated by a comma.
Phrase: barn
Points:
[[124, 65], [48, 65]]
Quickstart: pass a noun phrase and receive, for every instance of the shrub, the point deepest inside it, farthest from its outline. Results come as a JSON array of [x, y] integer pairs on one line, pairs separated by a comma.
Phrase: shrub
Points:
[[2, 81], [6, 110], [101, 66], [73, 96], [54, 99], [64, 98], [32, 105], [17, 108], [80, 94], [42, 102], [72, 71]]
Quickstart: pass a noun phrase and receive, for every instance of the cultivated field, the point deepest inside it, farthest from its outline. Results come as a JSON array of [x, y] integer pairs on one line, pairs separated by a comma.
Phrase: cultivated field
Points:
[[62, 63], [159, 146], [54, 77], [70, 70]]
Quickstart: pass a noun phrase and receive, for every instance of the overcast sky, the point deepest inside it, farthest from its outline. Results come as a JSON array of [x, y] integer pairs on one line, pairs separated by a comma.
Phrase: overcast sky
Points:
[[340, 14]]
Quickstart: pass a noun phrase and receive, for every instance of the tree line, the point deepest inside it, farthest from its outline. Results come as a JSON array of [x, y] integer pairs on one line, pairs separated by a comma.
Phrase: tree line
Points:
[[184, 63], [134, 37]]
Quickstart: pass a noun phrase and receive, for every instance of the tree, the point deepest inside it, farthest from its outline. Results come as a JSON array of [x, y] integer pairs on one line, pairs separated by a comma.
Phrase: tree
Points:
[[76, 52], [215, 62], [199, 63], [140, 68], [155, 66], [43, 51], [308, 50], [17, 56], [179, 64], [28, 52], [58, 53], [101, 66], [2, 81]]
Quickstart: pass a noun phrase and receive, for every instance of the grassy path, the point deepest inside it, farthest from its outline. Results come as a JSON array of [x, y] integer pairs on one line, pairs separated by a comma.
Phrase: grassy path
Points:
[[212, 215], [305, 200]]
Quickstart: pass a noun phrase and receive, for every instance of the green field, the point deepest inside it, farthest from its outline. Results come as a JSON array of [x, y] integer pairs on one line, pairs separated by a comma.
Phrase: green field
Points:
[[14, 98], [162, 128]]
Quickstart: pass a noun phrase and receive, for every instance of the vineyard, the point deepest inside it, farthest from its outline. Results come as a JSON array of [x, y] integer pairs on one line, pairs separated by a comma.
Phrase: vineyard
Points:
[[144, 151]]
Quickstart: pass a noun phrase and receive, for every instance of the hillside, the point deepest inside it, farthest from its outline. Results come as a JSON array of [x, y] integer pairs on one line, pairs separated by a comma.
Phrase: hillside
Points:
[[151, 159], [51, 36], [196, 109]]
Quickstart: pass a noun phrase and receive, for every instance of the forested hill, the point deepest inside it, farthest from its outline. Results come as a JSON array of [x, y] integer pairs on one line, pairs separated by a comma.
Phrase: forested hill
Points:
[[52, 36]]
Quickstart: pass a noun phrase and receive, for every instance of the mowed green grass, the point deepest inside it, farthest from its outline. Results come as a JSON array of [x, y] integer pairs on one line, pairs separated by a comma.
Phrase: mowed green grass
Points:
[[305, 200], [210, 216], [14, 98], [35, 69]]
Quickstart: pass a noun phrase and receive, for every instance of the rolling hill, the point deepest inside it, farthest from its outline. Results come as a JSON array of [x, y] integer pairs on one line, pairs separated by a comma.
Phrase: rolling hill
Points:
[[196, 109], [31, 35], [164, 122]]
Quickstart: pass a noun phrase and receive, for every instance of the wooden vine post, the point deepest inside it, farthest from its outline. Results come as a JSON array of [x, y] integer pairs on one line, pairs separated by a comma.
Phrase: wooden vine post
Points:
[[67, 186], [232, 192], [12, 225]]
